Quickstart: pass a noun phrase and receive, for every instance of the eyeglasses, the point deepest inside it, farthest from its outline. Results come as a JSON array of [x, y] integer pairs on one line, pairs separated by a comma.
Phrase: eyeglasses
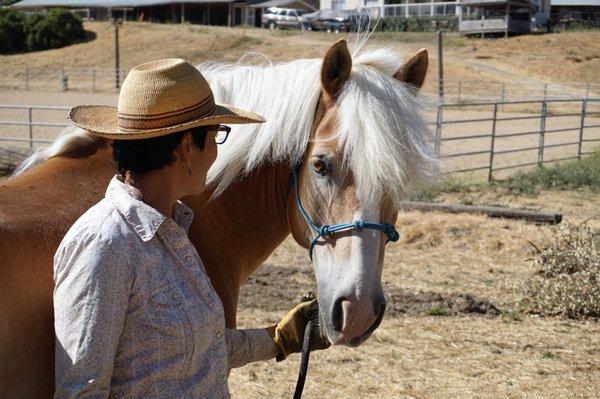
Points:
[[222, 134]]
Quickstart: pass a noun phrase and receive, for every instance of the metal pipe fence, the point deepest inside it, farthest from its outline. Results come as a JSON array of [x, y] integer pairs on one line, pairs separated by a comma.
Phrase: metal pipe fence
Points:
[[561, 134], [479, 137], [469, 91]]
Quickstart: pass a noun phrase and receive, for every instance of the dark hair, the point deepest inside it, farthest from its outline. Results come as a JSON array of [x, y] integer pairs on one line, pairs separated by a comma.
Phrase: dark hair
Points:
[[146, 155]]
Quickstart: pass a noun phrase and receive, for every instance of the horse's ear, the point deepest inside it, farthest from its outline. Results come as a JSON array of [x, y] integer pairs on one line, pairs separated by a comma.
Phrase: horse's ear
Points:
[[413, 71], [336, 68]]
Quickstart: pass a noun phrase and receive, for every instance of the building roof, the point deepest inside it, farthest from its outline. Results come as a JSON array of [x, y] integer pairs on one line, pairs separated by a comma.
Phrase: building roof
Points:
[[285, 3], [29, 4]]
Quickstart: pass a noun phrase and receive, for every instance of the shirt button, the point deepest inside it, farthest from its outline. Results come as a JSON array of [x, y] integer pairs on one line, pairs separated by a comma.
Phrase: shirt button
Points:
[[189, 259], [219, 334]]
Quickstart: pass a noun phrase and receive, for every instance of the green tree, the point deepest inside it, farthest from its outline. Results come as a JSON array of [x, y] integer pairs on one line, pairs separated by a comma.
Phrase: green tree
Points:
[[57, 28], [12, 37]]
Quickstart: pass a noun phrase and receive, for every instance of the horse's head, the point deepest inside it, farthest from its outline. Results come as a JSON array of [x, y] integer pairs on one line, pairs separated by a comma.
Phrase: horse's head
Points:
[[356, 149]]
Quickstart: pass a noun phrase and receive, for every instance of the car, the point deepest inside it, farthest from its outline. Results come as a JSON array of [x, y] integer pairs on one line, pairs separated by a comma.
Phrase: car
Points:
[[336, 21], [277, 17]]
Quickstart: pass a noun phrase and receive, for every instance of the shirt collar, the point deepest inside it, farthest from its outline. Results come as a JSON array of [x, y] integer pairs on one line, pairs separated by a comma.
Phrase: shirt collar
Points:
[[144, 219]]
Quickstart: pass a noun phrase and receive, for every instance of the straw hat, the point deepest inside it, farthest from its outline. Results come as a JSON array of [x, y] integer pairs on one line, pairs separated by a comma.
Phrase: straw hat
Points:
[[159, 98]]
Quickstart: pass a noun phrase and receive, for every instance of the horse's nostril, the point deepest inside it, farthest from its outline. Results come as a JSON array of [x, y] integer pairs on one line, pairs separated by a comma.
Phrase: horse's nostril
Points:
[[379, 307], [337, 315]]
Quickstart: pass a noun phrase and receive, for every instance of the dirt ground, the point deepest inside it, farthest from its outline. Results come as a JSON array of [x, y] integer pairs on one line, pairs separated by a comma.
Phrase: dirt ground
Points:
[[469, 266], [451, 329]]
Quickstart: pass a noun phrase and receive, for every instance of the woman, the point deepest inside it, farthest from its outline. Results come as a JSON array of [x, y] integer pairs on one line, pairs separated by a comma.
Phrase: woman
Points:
[[135, 313]]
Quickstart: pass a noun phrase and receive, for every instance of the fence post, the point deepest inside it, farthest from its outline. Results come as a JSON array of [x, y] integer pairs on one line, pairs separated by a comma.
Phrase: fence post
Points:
[[545, 92], [581, 127], [542, 133], [587, 91], [93, 79], [438, 126], [492, 144], [64, 80], [27, 78], [30, 120]]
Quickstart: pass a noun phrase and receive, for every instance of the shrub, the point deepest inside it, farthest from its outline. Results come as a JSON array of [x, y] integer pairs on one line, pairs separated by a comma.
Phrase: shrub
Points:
[[38, 31], [565, 176], [12, 37], [57, 28], [568, 278]]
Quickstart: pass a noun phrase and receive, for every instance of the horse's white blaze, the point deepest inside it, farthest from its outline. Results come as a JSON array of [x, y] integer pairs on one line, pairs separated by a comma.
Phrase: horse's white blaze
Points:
[[351, 269]]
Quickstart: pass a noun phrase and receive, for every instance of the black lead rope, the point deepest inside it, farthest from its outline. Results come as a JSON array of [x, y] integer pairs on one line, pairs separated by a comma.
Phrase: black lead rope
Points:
[[304, 361]]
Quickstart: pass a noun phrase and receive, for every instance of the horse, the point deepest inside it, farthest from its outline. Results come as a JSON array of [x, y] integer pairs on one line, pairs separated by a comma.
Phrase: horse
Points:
[[346, 129]]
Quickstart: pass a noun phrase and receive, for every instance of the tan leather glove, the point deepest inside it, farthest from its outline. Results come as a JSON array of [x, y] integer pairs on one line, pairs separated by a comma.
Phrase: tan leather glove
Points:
[[288, 334]]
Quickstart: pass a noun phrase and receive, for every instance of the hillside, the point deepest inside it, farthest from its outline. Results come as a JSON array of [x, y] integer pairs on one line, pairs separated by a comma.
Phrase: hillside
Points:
[[555, 58]]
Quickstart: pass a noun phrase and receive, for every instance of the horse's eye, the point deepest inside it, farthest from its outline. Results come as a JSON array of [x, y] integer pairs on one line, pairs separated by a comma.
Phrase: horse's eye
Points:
[[320, 167]]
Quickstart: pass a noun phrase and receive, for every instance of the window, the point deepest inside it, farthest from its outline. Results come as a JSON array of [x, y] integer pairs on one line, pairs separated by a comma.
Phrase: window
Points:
[[338, 4]]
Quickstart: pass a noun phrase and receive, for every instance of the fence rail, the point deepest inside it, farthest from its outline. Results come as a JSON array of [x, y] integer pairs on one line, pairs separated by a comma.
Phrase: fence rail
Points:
[[486, 137], [430, 9], [568, 134]]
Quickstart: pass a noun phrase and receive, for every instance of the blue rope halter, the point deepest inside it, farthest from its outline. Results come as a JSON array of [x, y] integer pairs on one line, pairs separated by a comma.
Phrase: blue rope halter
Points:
[[329, 229]]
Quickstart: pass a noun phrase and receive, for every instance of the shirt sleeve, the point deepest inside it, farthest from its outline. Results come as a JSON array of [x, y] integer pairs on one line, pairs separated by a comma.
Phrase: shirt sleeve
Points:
[[249, 345], [92, 285]]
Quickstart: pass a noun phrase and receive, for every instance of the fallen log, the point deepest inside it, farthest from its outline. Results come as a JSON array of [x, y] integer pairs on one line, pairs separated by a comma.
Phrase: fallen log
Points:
[[491, 211]]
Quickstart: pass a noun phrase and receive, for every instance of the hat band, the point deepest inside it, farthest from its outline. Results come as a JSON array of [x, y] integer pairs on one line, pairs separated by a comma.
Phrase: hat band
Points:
[[134, 123]]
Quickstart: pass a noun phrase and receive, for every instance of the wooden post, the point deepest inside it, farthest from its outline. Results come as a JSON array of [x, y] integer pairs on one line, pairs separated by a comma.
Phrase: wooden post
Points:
[[207, 13], [491, 211], [440, 64], [229, 15], [27, 78], [507, 17], [581, 127], [493, 144], [182, 13], [117, 61]]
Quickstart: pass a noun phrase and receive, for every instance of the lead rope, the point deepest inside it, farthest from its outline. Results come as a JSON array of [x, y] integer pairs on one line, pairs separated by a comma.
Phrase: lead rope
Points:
[[304, 361]]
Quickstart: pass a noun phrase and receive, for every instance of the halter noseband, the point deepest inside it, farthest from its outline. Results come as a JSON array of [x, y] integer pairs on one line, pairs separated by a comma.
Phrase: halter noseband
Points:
[[329, 229]]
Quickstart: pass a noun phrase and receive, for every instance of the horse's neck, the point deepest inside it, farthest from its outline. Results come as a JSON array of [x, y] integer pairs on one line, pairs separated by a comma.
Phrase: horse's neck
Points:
[[236, 232]]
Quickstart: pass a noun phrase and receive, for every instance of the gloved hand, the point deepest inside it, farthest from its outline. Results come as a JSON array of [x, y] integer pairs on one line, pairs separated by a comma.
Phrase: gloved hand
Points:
[[288, 334]]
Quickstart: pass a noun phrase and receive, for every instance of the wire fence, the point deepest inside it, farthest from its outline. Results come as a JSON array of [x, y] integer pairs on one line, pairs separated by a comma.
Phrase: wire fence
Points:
[[63, 79], [459, 91], [484, 139]]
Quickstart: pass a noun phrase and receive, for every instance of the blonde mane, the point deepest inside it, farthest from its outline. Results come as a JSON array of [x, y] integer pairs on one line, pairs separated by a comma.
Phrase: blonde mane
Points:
[[383, 136]]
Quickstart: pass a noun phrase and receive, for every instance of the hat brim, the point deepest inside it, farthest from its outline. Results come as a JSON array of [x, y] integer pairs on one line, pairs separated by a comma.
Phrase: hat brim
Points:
[[102, 121]]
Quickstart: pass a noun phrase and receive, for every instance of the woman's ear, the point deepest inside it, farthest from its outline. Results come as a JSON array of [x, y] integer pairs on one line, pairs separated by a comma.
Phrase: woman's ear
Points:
[[184, 149]]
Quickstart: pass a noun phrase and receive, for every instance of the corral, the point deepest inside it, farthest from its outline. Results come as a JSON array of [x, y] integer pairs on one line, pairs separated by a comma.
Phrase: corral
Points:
[[453, 327]]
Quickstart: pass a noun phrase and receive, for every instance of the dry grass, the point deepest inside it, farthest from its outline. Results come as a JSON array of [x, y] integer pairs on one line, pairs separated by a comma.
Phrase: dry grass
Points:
[[416, 355], [565, 57]]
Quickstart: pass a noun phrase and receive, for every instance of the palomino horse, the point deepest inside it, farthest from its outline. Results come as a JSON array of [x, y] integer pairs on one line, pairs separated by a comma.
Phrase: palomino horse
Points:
[[350, 126]]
